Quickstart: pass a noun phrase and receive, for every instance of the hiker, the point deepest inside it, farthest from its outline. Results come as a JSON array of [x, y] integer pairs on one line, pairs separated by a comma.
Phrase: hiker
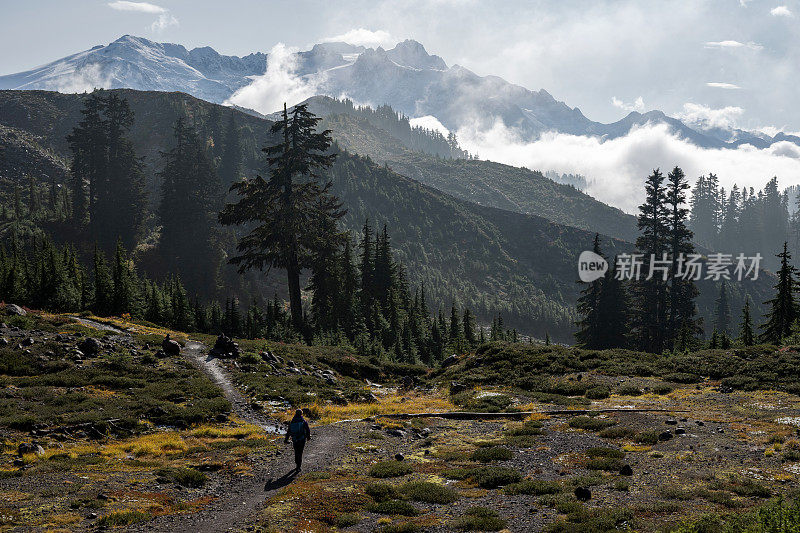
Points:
[[300, 433]]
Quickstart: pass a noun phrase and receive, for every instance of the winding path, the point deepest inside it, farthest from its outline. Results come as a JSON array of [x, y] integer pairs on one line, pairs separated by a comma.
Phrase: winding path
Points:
[[239, 497]]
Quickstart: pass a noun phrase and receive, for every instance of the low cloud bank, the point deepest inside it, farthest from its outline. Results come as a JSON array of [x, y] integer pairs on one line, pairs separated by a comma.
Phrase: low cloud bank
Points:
[[279, 84], [616, 169]]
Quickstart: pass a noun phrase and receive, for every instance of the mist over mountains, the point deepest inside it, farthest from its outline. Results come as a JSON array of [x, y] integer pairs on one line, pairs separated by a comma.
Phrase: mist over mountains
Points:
[[493, 118]]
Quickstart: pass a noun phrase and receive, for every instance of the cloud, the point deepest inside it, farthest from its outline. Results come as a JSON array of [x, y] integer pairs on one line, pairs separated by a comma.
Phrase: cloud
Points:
[[781, 11], [616, 168], [82, 79], [637, 105], [722, 85], [363, 37], [280, 83], [733, 45], [708, 117], [162, 22], [429, 122]]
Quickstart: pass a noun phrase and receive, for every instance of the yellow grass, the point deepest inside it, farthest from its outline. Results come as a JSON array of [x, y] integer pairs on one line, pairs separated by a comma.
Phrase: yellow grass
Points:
[[389, 403]]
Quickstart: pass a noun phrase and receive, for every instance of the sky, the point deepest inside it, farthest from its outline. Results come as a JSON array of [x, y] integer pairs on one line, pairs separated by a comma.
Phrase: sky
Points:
[[727, 63], [734, 61]]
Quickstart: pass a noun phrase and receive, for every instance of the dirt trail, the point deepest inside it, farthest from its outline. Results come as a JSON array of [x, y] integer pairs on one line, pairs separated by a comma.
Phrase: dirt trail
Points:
[[238, 498]]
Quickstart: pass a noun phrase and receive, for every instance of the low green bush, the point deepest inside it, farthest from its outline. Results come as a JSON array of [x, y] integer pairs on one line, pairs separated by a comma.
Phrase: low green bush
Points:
[[480, 519], [488, 455], [394, 507], [386, 469], [187, 477], [380, 492], [488, 477], [598, 393], [427, 492], [649, 437], [591, 423], [535, 487]]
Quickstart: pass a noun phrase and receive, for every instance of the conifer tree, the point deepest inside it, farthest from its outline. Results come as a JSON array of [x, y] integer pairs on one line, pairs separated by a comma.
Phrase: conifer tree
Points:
[[746, 335], [614, 317], [469, 328], [782, 308], [282, 209], [589, 328], [722, 311]]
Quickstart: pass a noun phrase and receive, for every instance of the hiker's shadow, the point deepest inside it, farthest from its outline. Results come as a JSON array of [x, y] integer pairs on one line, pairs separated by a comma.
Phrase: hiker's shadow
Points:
[[282, 481]]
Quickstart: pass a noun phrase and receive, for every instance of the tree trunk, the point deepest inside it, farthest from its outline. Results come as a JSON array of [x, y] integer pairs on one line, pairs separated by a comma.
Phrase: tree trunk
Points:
[[295, 303]]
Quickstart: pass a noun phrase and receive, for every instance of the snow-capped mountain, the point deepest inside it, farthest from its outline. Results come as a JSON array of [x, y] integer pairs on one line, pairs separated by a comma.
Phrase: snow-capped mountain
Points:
[[405, 77], [138, 63]]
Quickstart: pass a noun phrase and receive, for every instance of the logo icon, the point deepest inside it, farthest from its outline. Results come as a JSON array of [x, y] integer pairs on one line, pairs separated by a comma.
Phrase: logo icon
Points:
[[591, 266]]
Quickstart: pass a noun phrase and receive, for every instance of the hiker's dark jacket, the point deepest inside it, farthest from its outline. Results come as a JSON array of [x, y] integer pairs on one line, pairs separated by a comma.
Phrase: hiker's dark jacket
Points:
[[298, 430]]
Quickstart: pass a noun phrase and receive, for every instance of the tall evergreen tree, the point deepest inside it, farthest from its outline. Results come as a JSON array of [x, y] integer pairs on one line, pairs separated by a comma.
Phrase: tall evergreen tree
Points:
[[284, 208], [783, 308], [722, 311], [652, 303], [614, 318], [589, 332], [746, 335]]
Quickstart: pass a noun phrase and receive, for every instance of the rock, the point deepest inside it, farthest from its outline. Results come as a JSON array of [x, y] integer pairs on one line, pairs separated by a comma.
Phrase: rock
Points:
[[29, 447], [221, 417], [28, 341], [626, 470], [700, 423], [664, 436], [671, 422], [396, 433], [170, 346], [225, 347], [14, 309], [407, 383], [583, 494], [399, 457], [4, 342], [89, 346], [456, 387], [453, 359], [680, 431]]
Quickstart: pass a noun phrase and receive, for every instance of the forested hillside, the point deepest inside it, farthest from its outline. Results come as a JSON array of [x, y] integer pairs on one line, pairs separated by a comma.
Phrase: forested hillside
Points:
[[490, 260], [483, 182]]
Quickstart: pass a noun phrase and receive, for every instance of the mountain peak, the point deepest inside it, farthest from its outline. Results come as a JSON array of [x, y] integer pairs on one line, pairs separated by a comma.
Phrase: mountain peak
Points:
[[411, 53]]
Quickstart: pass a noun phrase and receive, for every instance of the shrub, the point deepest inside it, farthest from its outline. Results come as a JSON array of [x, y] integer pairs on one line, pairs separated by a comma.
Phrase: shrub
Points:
[[187, 477], [122, 518], [386, 469], [402, 527], [662, 388], [487, 455], [488, 477], [380, 492], [629, 390], [607, 464], [616, 433], [531, 427], [605, 452], [590, 423], [347, 520], [535, 487], [598, 393], [646, 437], [425, 491], [480, 519], [394, 507], [682, 377]]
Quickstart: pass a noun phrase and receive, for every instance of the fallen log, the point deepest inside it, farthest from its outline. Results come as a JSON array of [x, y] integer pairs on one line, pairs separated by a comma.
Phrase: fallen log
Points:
[[471, 415]]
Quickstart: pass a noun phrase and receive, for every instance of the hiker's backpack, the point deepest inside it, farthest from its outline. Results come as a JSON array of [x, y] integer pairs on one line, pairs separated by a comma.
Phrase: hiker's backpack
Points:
[[297, 430]]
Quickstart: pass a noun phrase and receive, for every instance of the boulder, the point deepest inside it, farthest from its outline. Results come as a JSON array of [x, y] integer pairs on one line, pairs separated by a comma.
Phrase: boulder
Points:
[[456, 387], [407, 383], [626, 470], [29, 447], [89, 346], [170, 346], [583, 494], [14, 309], [665, 436], [399, 457], [453, 359], [225, 347]]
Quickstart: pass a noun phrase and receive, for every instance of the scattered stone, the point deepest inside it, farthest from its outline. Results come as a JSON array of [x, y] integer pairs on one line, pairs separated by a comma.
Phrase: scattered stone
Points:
[[453, 359], [671, 422], [456, 387], [89, 346], [665, 436], [680, 431], [28, 341], [626, 470], [14, 309], [700, 423], [170, 347], [396, 433], [399, 457], [4, 342], [29, 447], [583, 494]]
